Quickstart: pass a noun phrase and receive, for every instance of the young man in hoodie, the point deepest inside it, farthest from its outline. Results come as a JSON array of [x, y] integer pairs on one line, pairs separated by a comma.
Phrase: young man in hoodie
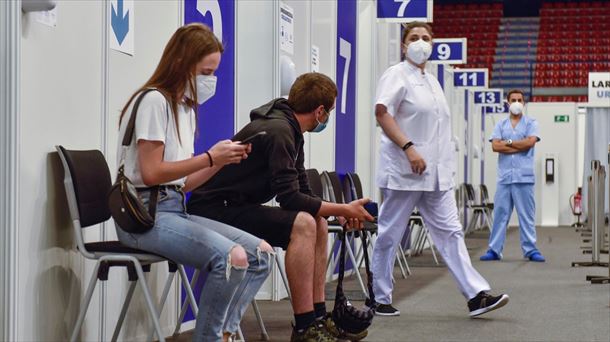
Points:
[[275, 168]]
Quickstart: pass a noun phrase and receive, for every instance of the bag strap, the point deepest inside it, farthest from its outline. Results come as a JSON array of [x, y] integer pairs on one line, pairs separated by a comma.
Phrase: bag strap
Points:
[[131, 125]]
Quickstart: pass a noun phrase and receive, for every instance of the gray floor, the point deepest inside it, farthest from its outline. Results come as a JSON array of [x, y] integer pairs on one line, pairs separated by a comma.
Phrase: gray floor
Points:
[[548, 301]]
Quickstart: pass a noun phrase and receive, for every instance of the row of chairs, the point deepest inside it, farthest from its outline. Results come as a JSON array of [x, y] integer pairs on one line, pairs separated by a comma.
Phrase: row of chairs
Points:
[[565, 66], [479, 212], [87, 182], [467, 7], [329, 186], [569, 5], [565, 98]]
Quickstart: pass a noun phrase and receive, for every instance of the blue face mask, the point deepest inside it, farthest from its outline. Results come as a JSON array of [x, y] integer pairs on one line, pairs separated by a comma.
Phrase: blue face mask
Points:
[[321, 125]]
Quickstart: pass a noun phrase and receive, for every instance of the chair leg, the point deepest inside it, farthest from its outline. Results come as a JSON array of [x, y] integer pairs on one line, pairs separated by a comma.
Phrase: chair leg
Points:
[[119, 323], [283, 275], [154, 316], [489, 219], [88, 295], [398, 259], [240, 335], [168, 285], [259, 318], [190, 297], [404, 259], [429, 238]]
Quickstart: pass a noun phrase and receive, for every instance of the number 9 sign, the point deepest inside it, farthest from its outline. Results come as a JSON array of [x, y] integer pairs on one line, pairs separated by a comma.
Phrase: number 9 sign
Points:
[[449, 51]]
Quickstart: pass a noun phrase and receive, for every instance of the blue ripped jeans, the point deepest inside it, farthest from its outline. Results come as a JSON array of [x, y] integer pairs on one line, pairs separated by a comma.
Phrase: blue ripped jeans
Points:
[[206, 245]]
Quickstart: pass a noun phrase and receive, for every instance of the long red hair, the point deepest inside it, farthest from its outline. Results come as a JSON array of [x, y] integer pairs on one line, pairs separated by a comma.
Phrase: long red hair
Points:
[[176, 69]]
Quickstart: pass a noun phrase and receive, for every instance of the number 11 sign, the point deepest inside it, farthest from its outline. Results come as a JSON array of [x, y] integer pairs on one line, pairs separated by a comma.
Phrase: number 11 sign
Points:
[[470, 78]]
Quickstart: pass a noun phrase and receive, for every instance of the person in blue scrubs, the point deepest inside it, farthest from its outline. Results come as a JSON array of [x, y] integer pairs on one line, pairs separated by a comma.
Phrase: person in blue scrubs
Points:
[[514, 139]]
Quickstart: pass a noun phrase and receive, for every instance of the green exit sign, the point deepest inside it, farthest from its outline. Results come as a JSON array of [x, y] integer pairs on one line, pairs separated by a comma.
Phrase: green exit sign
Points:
[[562, 118]]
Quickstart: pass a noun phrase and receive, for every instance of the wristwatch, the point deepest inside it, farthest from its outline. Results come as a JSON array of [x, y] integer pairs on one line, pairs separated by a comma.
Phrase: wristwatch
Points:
[[509, 142]]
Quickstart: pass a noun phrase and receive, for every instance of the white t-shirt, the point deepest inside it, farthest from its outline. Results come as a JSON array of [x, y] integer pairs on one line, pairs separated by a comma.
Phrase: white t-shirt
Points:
[[418, 104], [155, 122]]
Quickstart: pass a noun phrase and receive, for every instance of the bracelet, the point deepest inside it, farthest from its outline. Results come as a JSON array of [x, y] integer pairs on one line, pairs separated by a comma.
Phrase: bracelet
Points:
[[407, 145], [210, 156]]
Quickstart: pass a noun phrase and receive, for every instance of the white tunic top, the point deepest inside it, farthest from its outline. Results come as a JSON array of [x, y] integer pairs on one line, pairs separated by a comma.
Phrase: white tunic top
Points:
[[418, 104], [155, 122]]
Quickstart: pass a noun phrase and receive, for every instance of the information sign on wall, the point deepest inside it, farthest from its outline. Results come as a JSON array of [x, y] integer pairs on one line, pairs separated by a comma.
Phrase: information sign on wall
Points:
[[217, 115], [599, 89], [404, 11], [488, 97], [449, 51], [345, 137], [122, 23], [470, 78]]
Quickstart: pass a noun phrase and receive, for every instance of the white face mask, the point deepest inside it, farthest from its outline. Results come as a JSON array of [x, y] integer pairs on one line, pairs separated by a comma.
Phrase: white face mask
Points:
[[206, 88], [516, 108], [419, 51]]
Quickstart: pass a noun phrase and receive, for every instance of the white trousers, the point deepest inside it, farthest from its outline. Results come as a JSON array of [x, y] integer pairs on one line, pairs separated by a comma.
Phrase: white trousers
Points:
[[439, 212]]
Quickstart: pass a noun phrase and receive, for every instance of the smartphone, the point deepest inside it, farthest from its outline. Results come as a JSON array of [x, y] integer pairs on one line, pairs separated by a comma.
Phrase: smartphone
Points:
[[371, 207], [252, 137]]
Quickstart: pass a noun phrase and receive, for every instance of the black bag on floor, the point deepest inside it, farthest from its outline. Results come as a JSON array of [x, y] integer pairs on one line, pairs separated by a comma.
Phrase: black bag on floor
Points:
[[346, 316], [125, 205]]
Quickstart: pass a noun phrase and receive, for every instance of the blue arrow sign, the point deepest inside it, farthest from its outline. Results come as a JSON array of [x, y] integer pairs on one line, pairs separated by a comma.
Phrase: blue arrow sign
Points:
[[120, 22]]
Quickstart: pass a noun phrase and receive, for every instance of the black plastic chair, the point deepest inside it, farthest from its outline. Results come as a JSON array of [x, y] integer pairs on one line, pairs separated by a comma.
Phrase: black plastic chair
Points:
[[332, 184], [87, 183]]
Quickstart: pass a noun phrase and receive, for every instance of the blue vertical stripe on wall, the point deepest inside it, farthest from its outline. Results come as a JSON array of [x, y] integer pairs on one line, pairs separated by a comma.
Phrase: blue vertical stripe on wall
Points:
[[217, 115], [345, 111], [482, 145], [441, 75]]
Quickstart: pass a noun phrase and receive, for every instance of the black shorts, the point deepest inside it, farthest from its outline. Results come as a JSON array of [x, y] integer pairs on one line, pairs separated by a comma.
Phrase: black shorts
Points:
[[273, 224]]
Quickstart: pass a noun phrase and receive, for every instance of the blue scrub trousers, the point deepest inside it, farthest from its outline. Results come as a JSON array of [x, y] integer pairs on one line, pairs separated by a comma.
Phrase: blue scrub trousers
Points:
[[520, 196]]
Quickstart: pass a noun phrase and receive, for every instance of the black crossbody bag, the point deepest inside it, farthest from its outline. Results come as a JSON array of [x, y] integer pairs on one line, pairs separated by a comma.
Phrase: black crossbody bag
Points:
[[345, 315], [125, 205]]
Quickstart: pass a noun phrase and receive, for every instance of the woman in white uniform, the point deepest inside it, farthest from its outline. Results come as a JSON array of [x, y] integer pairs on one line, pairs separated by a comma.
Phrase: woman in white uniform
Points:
[[416, 169]]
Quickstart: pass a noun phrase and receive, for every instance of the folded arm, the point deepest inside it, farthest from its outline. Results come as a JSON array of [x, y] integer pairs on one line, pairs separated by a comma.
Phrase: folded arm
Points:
[[517, 146]]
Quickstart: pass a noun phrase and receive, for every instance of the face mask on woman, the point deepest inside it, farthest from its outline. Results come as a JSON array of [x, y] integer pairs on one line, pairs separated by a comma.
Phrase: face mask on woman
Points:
[[419, 51], [206, 87]]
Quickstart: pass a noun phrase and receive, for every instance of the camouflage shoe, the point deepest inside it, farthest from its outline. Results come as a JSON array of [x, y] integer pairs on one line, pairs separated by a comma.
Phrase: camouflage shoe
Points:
[[315, 332], [339, 333]]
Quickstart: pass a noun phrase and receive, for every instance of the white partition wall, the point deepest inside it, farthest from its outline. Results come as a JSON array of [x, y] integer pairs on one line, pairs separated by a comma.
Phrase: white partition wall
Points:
[[323, 25], [72, 89], [155, 22], [366, 142]]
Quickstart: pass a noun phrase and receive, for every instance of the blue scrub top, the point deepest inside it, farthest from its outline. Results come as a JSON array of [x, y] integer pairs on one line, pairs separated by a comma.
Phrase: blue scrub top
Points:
[[516, 167]]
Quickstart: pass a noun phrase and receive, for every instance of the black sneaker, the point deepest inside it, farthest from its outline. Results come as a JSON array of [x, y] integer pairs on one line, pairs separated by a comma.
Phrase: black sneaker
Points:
[[315, 332], [484, 302], [386, 310]]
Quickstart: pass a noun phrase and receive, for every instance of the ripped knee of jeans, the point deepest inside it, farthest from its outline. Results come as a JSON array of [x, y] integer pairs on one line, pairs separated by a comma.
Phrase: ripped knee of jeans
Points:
[[237, 259], [264, 247]]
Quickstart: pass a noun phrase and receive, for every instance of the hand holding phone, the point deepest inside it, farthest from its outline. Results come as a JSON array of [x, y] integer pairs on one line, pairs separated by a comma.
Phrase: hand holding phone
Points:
[[252, 137]]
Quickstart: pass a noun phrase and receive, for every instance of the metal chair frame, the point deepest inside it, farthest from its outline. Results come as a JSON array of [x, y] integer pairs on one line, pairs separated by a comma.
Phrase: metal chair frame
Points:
[[109, 254]]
